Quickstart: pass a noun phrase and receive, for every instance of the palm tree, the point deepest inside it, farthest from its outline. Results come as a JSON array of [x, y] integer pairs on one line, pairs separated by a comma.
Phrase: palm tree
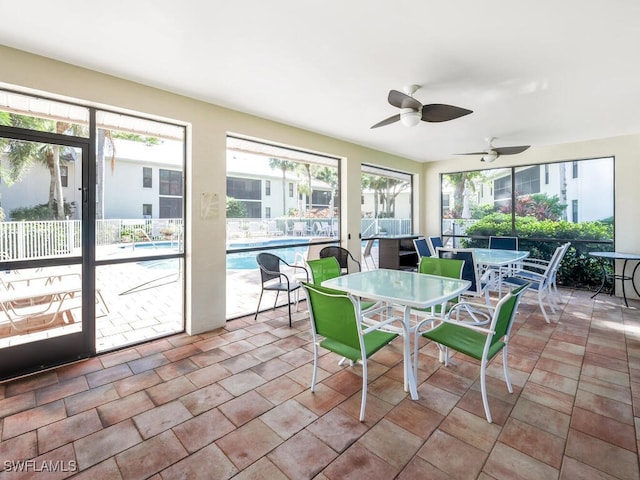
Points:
[[283, 165], [22, 156]]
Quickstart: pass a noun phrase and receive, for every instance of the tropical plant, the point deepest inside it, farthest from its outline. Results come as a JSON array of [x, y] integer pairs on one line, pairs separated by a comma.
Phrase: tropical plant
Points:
[[235, 208], [538, 205]]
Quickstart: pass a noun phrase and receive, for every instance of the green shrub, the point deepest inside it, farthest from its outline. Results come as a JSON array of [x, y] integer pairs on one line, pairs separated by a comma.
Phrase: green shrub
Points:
[[541, 237]]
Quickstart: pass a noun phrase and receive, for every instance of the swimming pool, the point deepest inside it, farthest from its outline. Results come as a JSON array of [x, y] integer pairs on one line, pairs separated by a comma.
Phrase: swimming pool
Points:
[[247, 260]]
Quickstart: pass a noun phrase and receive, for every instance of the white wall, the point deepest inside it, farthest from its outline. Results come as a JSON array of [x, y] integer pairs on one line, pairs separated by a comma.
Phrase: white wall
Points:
[[206, 162]]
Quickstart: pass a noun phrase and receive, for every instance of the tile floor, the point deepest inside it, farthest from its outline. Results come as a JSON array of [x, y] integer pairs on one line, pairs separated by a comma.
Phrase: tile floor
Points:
[[235, 403]]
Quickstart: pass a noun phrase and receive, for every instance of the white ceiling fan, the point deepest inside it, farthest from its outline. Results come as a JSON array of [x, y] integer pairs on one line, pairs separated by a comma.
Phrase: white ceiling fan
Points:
[[492, 153]]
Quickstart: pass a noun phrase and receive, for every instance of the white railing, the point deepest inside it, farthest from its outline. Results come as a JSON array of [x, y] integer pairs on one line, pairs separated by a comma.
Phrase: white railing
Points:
[[30, 240]]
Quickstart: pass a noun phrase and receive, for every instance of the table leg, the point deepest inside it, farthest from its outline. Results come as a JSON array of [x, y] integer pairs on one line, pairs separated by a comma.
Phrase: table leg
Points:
[[410, 383], [623, 278], [604, 278]]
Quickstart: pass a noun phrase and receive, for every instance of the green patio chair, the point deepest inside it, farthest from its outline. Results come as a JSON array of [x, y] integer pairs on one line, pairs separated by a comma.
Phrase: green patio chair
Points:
[[336, 323], [325, 268], [480, 343]]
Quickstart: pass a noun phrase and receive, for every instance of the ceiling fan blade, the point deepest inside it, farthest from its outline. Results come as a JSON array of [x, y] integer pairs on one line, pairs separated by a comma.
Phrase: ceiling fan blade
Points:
[[472, 153], [511, 150], [387, 121], [438, 112], [402, 100]]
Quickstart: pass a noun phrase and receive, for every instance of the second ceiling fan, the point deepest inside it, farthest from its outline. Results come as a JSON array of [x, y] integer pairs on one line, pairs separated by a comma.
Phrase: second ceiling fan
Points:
[[492, 153], [412, 111]]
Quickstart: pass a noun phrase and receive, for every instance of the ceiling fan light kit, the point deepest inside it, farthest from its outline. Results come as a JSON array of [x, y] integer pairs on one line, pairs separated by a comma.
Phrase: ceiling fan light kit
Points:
[[489, 157], [410, 117]]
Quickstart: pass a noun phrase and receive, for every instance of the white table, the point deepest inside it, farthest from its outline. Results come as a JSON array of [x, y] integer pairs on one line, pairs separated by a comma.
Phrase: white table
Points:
[[406, 289], [498, 259]]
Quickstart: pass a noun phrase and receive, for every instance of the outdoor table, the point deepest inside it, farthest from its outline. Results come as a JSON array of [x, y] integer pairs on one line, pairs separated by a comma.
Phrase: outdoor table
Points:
[[603, 257], [406, 289]]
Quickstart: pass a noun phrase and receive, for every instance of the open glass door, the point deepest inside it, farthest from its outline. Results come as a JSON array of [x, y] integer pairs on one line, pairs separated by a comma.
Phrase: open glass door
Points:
[[44, 295]]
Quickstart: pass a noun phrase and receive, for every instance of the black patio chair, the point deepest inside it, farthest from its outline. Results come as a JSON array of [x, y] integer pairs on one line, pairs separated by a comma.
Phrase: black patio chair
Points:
[[273, 279]]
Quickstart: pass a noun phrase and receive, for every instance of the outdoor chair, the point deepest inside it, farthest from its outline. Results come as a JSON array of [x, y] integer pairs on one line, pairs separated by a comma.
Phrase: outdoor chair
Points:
[[471, 271], [325, 268], [434, 243], [422, 248], [479, 343], [503, 243], [441, 267], [541, 274], [346, 261], [336, 324], [273, 279]]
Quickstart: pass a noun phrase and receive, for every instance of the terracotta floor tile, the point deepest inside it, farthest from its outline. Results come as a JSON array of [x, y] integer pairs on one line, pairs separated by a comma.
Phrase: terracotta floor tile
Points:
[[205, 399], [272, 368], [542, 417], [507, 462], [555, 381], [168, 391], [122, 408], [90, 399], [302, 456], [280, 389], [137, 382], [337, 429], [37, 417], [107, 469], [205, 464], [248, 443], [323, 399], [606, 389], [419, 468], [203, 429], [68, 430], [22, 447], [592, 402], [453, 456], [176, 369], [150, 456], [616, 461], [245, 408], [471, 429], [105, 443], [235, 402], [60, 390], [242, 382], [161, 418], [604, 428], [357, 463], [573, 469], [534, 442], [17, 403], [548, 397], [415, 418], [392, 443], [288, 418]]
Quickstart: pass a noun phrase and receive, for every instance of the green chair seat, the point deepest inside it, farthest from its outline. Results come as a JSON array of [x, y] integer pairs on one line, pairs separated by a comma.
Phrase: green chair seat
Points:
[[463, 340]]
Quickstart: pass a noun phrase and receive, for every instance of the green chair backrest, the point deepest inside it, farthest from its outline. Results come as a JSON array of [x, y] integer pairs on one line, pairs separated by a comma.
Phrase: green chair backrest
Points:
[[443, 267], [324, 269], [333, 315], [506, 313]]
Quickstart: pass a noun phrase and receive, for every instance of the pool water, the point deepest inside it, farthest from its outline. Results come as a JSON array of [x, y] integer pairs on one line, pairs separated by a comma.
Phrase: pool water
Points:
[[247, 260]]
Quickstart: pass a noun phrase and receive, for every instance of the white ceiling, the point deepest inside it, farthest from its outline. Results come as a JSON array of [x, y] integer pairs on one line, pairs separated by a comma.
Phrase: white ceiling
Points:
[[534, 72]]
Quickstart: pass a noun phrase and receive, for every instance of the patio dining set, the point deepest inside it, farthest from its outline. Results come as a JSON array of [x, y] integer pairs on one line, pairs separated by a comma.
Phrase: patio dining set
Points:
[[463, 300]]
